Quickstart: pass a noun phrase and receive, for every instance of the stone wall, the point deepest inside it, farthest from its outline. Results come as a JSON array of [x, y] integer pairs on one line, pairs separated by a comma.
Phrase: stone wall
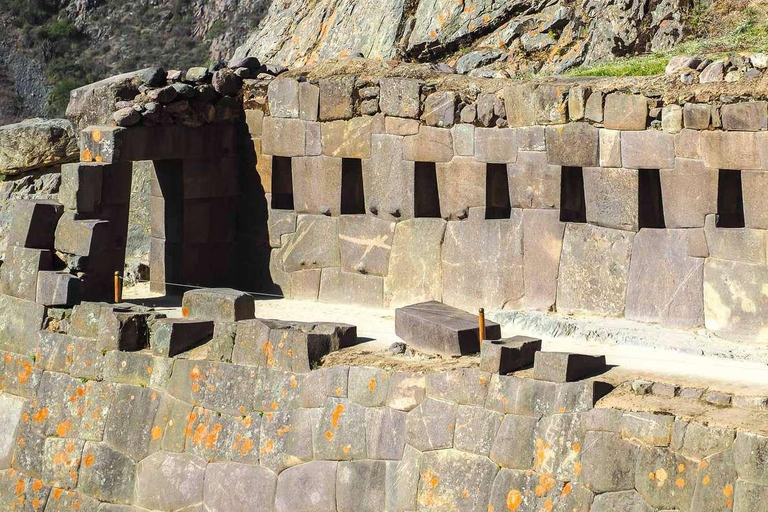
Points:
[[580, 197], [239, 424]]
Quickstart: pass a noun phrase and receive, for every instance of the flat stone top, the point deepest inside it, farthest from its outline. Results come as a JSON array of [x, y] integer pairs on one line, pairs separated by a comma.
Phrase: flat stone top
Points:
[[439, 313]]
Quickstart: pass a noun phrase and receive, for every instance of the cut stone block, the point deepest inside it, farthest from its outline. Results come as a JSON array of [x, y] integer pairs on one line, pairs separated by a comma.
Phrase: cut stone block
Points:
[[336, 98], [309, 101], [648, 149], [283, 137], [735, 302], [81, 186], [106, 474], [314, 245], [352, 477], [611, 197], [87, 238], [610, 148], [542, 245], [550, 104], [173, 336], [508, 354], [233, 487], [755, 208], [351, 288], [451, 476], [170, 481], [745, 117], [218, 304], [283, 94], [352, 138], [430, 426], [496, 145], [310, 487], [573, 144], [435, 327], [689, 193], [440, 109], [519, 105], [34, 224], [365, 244], [461, 185], [120, 328], [566, 367], [414, 263], [532, 182], [19, 273], [463, 139], [731, 150], [429, 145], [12, 407], [696, 116], [58, 289], [399, 97], [626, 111], [317, 185]]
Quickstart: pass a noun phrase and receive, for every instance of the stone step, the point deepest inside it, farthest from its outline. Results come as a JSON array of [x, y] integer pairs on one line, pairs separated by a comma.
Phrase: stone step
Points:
[[439, 328], [508, 354], [566, 367], [218, 304], [173, 336]]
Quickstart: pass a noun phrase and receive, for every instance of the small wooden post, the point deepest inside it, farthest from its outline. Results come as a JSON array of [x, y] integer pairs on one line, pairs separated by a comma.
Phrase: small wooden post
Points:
[[118, 291], [481, 322]]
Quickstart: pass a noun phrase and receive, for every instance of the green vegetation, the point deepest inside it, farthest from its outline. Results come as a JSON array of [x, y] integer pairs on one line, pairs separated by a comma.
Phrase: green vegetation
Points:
[[634, 66]]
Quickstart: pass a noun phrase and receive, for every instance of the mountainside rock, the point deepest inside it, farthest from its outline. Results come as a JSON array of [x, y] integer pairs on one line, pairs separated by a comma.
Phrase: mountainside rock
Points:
[[521, 36], [36, 143]]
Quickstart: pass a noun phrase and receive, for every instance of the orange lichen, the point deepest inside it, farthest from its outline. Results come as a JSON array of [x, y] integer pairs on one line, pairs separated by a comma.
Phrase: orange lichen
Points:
[[40, 415], [96, 136], [372, 385], [89, 460], [328, 435], [567, 489], [514, 499], [63, 428], [336, 415], [56, 493], [728, 491], [157, 433], [705, 480]]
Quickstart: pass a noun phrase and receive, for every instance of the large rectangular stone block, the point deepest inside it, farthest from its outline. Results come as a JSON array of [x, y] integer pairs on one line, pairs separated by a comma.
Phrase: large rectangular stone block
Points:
[[533, 183], [342, 287], [350, 139], [19, 323], [336, 98], [573, 144], [429, 145], [436, 327], [612, 197], [735, 300], [594, 270], [221, 305], [173, 336], [81, 186], [399, 97], [440, 109], [414, 263], [314, 245], [508, 354], [697, 116], [731, 150], [283, 94], [649, 149], [626, 111], [496, 145], [689, 193], [317, 185], [736, 244], [82, 237], [745, 116], [58, 288], [460, 185], [754, 184], [34, 223], [610, 148], [309, 101], [566, 367], [18, 275], [519, 104], [388, 179], [365, 244], [283, 137], [542, 245]]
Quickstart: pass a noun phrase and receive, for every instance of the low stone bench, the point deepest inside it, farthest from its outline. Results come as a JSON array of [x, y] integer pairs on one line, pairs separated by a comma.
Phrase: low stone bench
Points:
[[566, 367], [509, 354], [218, 304], [442, 329]]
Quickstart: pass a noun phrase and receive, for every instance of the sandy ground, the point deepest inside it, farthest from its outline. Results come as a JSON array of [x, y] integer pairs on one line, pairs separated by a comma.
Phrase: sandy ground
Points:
[[376, 329]]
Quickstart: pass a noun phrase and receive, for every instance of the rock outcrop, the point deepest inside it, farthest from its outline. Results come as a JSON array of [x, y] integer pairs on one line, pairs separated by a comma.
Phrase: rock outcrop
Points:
[[36, 143], [549, 36]]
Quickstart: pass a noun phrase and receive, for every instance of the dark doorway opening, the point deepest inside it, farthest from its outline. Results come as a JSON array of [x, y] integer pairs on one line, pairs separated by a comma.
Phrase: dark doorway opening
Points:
[[497, 203], [352, 193], [649, 201], [282, 183], [730, 200], [573, 206], [426, 199]]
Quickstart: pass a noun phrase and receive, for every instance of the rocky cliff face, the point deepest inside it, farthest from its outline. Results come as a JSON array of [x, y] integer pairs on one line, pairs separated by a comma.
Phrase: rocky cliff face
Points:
[[525, 36]]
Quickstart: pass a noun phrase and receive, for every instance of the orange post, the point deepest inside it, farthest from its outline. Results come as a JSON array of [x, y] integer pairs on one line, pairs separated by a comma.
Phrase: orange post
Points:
[[481, 322], [118, 290]]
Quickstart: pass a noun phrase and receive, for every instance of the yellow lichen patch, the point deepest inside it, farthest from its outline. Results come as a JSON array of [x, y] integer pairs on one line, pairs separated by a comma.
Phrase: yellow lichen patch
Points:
[[96, 136], [246, 447], [577, 467], [268, 353], [85, 156], [567, 489], [345, 448], [56, 493], [576, 447], [705, 480], [703, 464], [546, 482], [157, 433], [283, 430], [294, 382], [372, 385], [37, 485], [328, 435], [89, 460], [549, 504], [269, 446], [679, 482], [661, 477], [40, 415], [63, 428], [98, 158], [336, 415], [681, 468], [514, 499], [338, 391], [728, 491]]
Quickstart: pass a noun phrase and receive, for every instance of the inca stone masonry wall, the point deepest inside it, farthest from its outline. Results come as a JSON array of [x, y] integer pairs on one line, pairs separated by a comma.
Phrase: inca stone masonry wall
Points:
[[230, 427], [604, 202]]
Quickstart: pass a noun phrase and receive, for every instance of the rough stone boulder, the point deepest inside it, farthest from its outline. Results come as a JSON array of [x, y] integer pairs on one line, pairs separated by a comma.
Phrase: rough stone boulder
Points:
[[36, 143]]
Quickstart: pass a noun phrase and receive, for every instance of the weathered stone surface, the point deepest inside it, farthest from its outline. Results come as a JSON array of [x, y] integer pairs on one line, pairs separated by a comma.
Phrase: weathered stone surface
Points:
[[406, 390], [58, 289], [368, 386], [402, 481], [12, 408], [429, 145], [314, 245], [440, 109], [36, 143], [514, 443], [755, 210], [573, 144], [533, 183], [519, 107], [463, 139], [283, 137], [283, 94], [550, 104], [735, 244], [173, 336], [730, 150], [286, 438], [350, 288], [664, 282], [647, 149], [608, 463], [647, 428], [309, 487], [672, 118], [720, 477], [34, 224], [453, 480], [435, 327], [336, 98], [466, 386], [279, 223], [475, 429], [611, 197], [233, 487], [129, 425], [490, 278], [402, 126], [749, 496], [340, 434], [702, 441], [218, 304], [542, 244], [461, 186], [577, 101], [352, 477], [594, 108], [626, 112], [414, 263], [388, 180], [531, 138], [170, 481], [689, 193], [745, 116], [399, 97], [750, 453], [18, 275], [106, 474], [87, 238], [610, 148], [309, 101], [628, 501], [566, 367], [696, 116], [350, 139], [365, 243], [524, 490], [508, 354], [496, 146], [430, 426], [734, 299], [385, 431], [317, 185], [594, 270], [19, 323]]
